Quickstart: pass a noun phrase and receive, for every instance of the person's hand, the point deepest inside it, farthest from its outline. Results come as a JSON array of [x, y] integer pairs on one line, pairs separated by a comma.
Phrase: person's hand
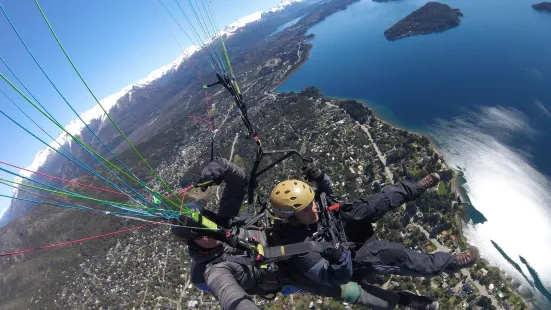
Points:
[[215, 171], [312, 173], [333, 255]]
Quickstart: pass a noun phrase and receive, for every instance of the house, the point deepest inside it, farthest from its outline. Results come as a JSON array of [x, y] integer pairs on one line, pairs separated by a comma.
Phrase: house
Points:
[[462, 295], [468, 288], [450, 292], [457, 275], [491, 287], [442, 235], [483, 272], [500, 294]]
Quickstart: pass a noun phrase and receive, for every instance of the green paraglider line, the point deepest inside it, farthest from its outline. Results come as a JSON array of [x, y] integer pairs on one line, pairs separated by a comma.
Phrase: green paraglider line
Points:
[[210, 61], [76, 206], [75, 195], [227, 57], [101, 106], [58, 189], [216, 58], [63, 97], [75, 138]]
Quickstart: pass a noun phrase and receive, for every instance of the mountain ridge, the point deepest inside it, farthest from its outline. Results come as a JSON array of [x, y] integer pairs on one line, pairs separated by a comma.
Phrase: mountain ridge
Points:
[[114, 104]]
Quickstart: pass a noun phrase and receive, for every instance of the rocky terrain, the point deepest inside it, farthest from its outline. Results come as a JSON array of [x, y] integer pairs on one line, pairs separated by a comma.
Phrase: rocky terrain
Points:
[[431, 17], [147, 268], [543, 6]]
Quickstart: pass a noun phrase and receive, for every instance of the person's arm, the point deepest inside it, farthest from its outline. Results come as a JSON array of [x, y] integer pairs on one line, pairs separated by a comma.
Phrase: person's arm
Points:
[[322, 180], [325, 185], [228, 281], [234, 192], [221, 169], [328, 272]]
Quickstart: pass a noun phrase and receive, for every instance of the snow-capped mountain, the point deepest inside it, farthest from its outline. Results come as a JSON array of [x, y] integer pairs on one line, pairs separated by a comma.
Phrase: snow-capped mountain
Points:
[[75, 127], [242, 22], [48, 161], [283, 4]]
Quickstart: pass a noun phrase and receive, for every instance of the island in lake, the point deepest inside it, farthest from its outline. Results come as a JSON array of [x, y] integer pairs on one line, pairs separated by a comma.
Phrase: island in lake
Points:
[[544, 6], [431, 17]]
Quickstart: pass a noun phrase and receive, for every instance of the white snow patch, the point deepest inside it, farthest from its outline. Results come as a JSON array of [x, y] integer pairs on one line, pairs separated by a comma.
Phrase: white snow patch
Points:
[[76, 126], [242, 22], [283, 4], [2, 212]]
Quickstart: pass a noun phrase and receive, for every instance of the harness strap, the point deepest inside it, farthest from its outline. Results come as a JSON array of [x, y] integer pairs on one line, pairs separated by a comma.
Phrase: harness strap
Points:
[[285, 251]]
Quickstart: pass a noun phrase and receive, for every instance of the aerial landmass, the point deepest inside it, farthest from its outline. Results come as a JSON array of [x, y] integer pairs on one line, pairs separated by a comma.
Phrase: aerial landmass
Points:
[[149, 269], [543, 7], [431, 17]]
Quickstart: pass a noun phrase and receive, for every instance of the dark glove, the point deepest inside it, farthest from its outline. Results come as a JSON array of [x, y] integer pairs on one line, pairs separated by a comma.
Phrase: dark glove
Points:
[[332, 255], [312, 173], [214, 171]]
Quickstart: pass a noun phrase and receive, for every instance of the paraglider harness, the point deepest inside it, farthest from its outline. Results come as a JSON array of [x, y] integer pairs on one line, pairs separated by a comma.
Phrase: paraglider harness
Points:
[[254, 244]]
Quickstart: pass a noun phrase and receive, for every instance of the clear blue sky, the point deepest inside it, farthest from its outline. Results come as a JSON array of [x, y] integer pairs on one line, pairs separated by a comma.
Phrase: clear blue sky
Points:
[[113, 43]]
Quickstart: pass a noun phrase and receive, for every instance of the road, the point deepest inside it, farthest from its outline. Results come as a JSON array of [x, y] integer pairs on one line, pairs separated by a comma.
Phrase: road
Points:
[[439, 246], [481, 289], [379, 154]]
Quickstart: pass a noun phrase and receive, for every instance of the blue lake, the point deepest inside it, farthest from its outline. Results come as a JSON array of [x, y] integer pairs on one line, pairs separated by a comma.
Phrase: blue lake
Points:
[[482, 91]]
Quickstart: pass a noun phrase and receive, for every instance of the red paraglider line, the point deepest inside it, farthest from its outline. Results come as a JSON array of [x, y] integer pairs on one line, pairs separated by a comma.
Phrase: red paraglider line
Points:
[[71, 242], [203, 120], [63, 180]]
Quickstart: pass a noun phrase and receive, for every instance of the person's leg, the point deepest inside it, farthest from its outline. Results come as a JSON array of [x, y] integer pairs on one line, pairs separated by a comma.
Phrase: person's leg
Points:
[[358, 215], [366, 295], [385, 257], [392, 196]]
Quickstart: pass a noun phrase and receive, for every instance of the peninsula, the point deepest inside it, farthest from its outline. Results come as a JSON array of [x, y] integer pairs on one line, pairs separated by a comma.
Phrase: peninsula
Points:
[[431, 17], [543, 6]]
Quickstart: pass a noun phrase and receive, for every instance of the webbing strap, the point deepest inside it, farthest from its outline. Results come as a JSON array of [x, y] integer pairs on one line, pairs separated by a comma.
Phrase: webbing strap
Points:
[[288, 250]]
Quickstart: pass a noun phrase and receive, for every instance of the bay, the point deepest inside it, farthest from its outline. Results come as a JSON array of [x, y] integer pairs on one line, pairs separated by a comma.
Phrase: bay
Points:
[[481, 91]]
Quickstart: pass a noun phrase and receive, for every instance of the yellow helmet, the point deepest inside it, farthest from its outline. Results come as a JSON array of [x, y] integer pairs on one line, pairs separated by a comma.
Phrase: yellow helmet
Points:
[[289, 197]]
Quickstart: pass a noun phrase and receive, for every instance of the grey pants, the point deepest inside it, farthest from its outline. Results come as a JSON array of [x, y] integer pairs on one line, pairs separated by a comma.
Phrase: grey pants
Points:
[[385, 257], [231, 283]]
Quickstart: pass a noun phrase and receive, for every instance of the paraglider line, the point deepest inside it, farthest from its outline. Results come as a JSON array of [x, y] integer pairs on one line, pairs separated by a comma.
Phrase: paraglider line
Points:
[[52, 119], [203, 120], [157, 176], [63, 180], [55, 245]]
